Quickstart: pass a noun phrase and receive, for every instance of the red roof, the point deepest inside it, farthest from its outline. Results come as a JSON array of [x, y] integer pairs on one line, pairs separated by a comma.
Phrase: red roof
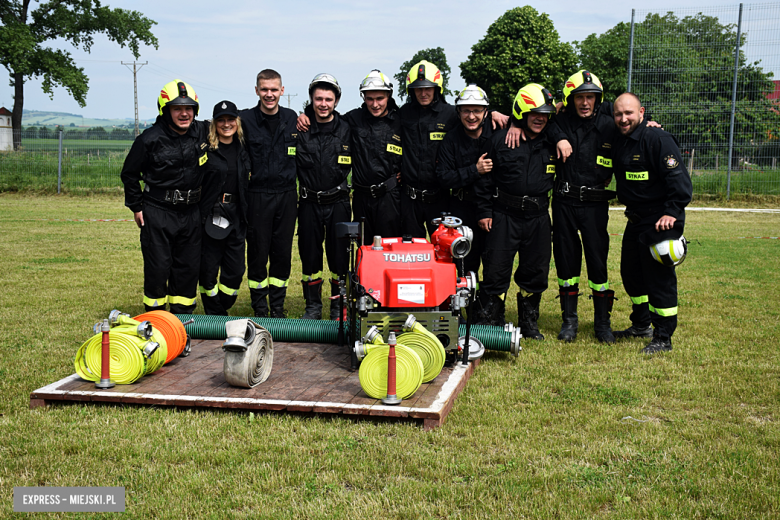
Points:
[[776, 93], [4, 112]]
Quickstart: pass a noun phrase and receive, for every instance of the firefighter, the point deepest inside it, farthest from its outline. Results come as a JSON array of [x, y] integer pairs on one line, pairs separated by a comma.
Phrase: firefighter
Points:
[[460, 162], [224, 209], [169, 158], [271, 136], [580, 205], [324, 160], [512, 207], [655, 186], [376, 157]]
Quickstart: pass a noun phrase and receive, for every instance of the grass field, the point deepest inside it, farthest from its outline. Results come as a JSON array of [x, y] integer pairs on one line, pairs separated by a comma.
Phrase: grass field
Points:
[[577, 430]]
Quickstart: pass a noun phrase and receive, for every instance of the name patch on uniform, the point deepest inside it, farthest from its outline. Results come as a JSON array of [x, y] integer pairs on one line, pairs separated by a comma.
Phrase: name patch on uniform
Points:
[[345, 159], [203, 159], [550, 168], [637, 176], [670, 162], [394, 148], [290, 150], [437, 136], [603, 161]]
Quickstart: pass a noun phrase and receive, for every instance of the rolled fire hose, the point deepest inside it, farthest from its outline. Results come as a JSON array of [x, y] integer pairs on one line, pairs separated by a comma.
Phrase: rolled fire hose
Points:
[[171, 328], [132, 356], [144, 329], [326, 331], [249, 353], [426, 345], [373, 369]]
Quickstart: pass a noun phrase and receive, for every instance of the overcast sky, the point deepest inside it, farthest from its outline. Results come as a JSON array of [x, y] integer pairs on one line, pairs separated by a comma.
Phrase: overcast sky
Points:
[[220, 46]]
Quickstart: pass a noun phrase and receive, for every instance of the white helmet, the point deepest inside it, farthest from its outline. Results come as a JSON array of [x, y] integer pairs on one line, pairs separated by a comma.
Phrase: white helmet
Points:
[[670, 252], [472, 95], [376, 81], [328, 79]]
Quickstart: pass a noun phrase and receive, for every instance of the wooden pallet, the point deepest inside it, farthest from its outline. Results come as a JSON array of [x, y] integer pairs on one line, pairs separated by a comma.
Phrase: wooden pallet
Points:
[[307, 378]]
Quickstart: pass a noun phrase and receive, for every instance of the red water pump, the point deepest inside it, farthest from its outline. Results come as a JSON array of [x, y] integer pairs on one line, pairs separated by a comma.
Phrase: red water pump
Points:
[[399, 276]]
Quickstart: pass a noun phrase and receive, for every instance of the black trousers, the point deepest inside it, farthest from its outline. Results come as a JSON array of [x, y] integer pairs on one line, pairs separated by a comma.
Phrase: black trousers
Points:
[[416, 215], [269, 239], [591, 222], [648, 282], [528, 236], [317, 223], [223, 258], [467, 212], [170, 244], [383, 214]]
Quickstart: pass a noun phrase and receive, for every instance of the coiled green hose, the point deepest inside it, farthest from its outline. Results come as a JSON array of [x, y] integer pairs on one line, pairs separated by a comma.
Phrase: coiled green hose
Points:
[[324, 331], [373, 371]]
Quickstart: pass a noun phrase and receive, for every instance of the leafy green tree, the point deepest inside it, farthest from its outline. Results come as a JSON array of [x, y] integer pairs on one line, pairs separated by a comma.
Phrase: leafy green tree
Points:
[[44, 132], [521, 47], [24, 33], [435, 56]]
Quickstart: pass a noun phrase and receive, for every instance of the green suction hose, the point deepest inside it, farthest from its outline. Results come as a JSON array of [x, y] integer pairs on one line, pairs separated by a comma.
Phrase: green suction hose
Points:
[[326, 331]]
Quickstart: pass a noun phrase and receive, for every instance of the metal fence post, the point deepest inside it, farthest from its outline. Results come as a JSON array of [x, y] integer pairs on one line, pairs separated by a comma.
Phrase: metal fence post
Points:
[[631, 51], [59, 165], [734, 102]]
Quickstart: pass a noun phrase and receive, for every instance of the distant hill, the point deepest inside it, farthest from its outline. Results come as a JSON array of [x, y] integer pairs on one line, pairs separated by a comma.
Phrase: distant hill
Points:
[[39, 118]]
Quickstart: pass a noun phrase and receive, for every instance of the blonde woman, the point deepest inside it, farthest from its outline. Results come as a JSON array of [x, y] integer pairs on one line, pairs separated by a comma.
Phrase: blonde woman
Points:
[[224, 211]]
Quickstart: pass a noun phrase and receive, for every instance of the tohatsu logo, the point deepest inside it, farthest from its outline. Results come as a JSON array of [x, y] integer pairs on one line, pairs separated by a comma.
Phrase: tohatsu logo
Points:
[[392, 257]]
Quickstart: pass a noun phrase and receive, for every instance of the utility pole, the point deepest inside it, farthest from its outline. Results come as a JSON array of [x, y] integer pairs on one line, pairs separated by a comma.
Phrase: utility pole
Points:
[[135, 88], [288, 96]]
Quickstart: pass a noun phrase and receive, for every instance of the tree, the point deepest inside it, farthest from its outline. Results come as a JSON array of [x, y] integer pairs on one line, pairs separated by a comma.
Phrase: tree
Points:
[[435, 56], [44, 132], [24, 33], [521, 47]]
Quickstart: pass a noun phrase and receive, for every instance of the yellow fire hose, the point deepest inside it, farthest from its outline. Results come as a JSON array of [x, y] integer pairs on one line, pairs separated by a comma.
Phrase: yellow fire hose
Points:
[[136, 350], [373, 370], [426, 345]]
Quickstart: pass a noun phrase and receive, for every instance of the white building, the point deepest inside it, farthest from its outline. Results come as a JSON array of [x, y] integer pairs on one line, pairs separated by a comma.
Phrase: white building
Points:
[[6, 131]]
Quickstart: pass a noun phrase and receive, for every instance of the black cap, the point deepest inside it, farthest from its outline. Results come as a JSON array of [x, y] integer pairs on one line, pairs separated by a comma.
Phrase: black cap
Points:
[[225, 108]]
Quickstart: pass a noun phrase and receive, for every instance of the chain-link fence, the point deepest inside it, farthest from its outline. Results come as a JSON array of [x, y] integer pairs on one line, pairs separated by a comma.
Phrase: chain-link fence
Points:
[[709, 77], [64, 160]]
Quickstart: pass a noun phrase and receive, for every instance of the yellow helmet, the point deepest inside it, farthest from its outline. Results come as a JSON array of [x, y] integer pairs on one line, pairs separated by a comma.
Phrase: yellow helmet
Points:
[[580, 82], [425, 74], [177, 92], [533, 98]]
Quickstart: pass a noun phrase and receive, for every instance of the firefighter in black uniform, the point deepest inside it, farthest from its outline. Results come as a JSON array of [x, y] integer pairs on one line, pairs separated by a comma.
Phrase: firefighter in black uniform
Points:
[[169, 158], [271, 136], [425, 120], [653, 183], [324, 161], [513, 208], [224, 209], [376, 157], [461, 159], [580, 202]]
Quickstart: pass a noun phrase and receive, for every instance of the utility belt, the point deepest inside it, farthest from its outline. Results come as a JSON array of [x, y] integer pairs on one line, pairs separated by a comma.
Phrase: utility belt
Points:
[[584, 193], [174, 197], [377, 190], [331, 196], [426, 196], [464, 194], [524, 203], [635, 214]]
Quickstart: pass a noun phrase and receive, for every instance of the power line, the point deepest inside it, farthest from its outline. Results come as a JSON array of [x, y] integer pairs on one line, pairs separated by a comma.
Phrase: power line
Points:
[[135, 89], [288, 96]]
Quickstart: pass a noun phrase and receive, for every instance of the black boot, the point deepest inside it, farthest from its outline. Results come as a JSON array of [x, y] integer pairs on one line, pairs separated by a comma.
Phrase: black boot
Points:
[[276, 297], [568, 298], [259, 297], [335, 305], [528, 315], [658, 344], [602, 310], [312, 294], [640, 323], [489, 310]]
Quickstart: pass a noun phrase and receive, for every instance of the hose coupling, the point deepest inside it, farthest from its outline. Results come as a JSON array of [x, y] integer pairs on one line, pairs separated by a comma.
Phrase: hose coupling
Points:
[[409, 323], [144, 330], [371, 335], [360, 350], [514, 339], [114, 315], [150, 348], [187, 347]]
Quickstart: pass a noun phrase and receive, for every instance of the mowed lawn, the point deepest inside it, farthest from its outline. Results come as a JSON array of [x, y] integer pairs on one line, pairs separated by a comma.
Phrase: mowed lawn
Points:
[[579, 430]]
